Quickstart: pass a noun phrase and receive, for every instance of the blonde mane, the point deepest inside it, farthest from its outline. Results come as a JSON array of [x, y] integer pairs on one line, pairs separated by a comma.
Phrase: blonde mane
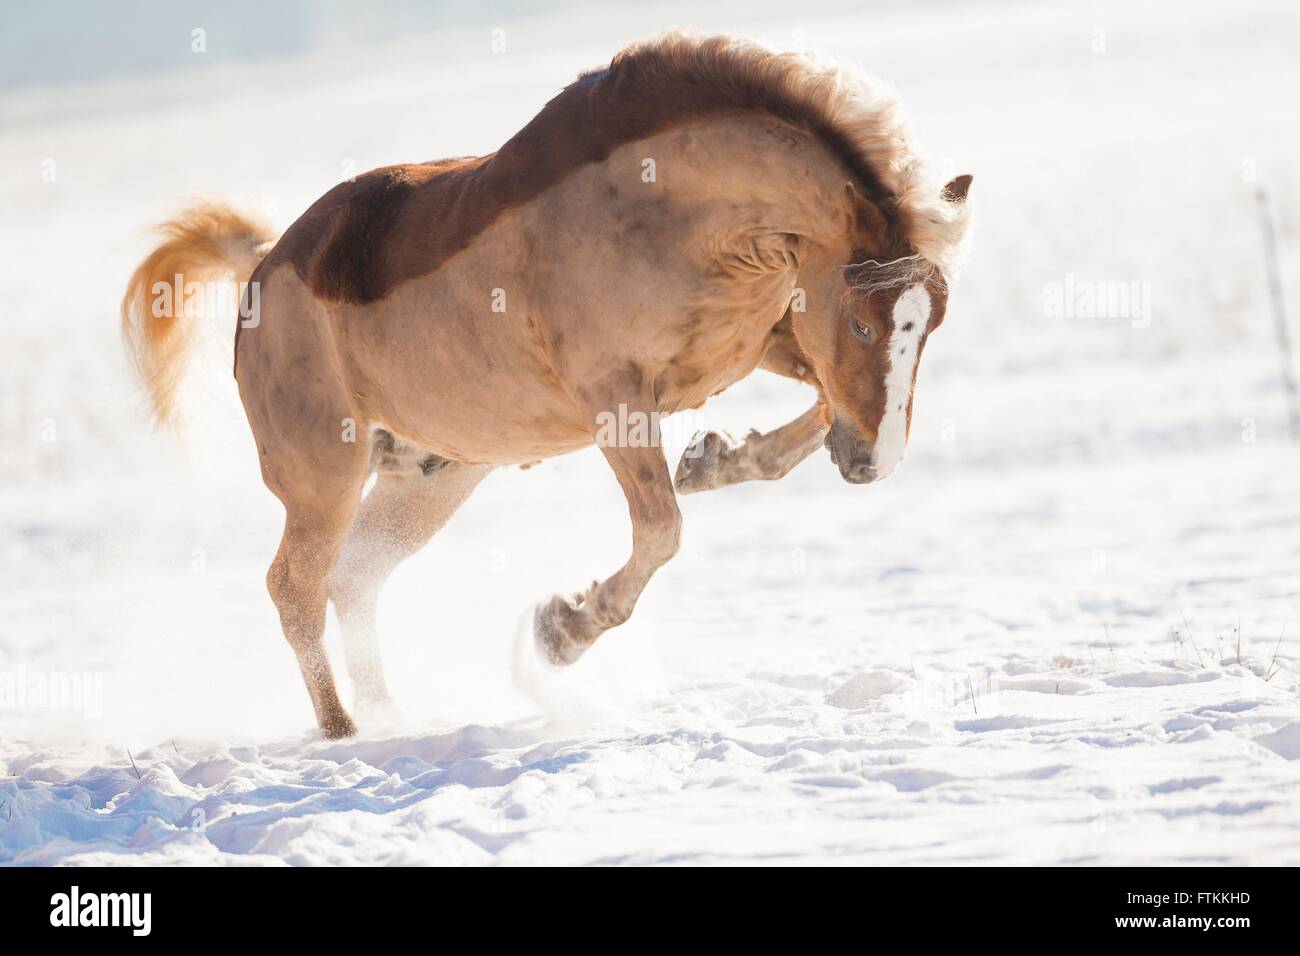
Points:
[[857, 114]]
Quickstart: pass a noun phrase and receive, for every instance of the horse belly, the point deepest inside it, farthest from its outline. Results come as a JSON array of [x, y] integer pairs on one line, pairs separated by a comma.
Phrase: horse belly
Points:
[[437, 376]]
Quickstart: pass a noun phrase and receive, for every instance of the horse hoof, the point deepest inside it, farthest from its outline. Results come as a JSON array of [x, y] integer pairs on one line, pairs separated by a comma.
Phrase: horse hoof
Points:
[[338, 726], [557, 627], [698, 469]]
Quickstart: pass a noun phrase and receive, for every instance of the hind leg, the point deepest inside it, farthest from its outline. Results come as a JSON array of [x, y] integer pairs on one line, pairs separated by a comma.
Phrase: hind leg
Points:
[[413, 497], [304, 425], [317, 517]]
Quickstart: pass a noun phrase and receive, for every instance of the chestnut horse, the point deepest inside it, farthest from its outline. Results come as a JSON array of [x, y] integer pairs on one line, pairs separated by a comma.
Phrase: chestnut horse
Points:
[[700, 209]]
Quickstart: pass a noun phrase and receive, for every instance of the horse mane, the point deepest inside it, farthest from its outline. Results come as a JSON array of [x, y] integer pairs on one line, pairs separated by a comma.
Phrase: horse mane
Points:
[[856, 115], [367, 235]]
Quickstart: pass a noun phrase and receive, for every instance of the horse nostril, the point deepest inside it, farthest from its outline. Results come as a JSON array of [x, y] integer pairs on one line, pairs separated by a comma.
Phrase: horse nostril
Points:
[[860, 474]]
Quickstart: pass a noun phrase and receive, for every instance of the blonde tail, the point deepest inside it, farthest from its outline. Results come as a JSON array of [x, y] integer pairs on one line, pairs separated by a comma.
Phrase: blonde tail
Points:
[[208, 242]]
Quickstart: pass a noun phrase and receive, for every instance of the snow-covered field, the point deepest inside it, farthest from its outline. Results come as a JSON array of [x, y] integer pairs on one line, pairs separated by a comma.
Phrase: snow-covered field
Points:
[[1065, 632]]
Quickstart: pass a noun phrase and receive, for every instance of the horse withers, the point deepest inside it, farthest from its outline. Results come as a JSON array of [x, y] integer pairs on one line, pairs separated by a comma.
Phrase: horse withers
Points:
[[699, 209]]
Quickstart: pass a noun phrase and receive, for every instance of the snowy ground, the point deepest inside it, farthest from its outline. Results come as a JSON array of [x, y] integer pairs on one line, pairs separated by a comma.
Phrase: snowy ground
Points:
[[1065, 632]]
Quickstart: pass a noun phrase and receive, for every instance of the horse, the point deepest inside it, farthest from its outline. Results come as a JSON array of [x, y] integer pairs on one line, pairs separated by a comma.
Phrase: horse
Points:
[[697, 210]]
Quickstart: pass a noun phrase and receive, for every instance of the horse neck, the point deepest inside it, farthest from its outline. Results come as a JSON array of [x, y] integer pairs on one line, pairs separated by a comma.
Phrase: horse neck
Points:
[[792, 198]]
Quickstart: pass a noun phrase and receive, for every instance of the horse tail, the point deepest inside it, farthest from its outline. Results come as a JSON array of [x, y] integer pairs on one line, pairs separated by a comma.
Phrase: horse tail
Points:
[[208, 242]]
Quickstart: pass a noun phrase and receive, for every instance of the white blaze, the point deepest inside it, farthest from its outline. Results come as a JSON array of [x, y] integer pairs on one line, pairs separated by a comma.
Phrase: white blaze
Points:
[[911, 314]]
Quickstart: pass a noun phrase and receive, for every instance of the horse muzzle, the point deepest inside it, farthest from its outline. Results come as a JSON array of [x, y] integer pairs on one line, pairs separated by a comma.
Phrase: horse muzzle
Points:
[[851, 454]]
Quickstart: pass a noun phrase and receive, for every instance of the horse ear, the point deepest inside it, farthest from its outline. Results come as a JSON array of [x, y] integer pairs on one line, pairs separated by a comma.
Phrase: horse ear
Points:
[[863, 214], [956, 190]]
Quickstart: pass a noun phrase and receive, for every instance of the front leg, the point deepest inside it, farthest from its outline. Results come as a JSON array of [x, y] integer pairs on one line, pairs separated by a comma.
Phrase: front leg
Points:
[[565, 627], [714, 460]]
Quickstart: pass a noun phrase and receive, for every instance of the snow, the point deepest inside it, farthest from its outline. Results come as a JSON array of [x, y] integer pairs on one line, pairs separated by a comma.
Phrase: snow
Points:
[[1063, 632]]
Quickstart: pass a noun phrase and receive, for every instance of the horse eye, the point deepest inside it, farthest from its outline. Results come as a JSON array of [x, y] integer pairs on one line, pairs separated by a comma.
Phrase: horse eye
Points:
[[864, 332]]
